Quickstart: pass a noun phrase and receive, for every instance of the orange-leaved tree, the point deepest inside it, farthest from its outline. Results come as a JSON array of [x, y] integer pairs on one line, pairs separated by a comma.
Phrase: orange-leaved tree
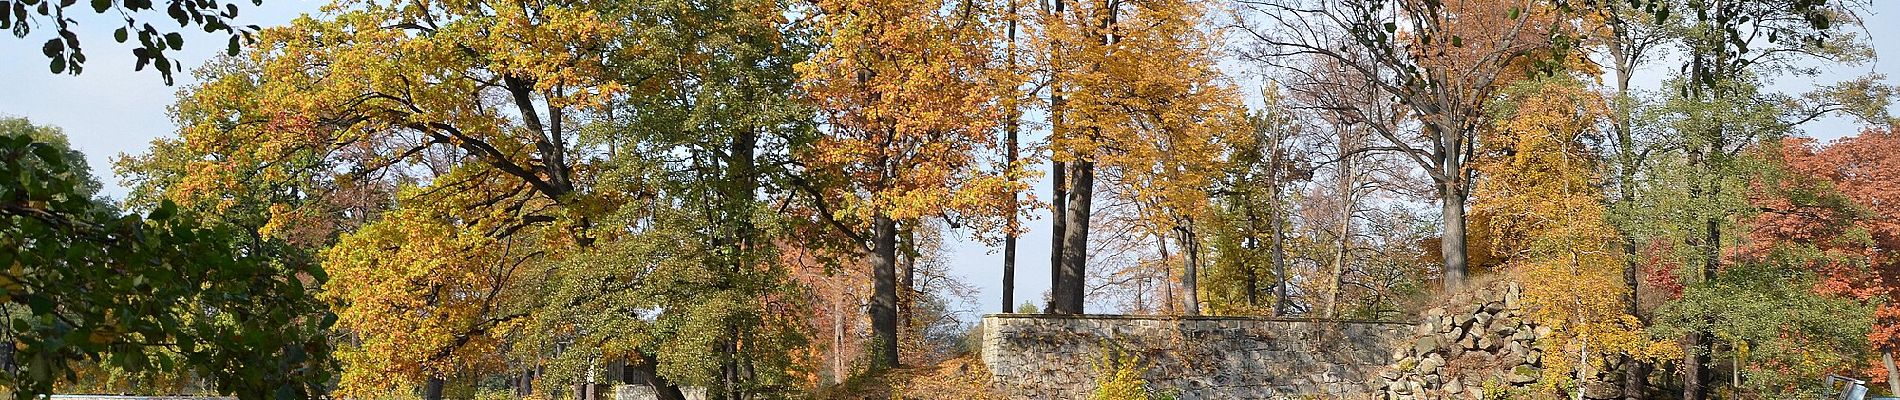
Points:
[[909, 98], [1841, 200]]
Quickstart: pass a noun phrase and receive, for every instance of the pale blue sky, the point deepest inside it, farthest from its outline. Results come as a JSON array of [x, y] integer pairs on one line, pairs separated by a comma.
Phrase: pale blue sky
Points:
[[111, 110]]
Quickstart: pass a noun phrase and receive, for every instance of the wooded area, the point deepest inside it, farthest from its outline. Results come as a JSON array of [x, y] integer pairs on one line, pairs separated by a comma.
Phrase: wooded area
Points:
[[754, 197]]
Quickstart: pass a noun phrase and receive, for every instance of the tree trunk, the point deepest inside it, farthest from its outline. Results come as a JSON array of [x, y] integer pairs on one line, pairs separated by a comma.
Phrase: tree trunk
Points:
[[432, 389], [1280, 299], [1344, 185], [1452, 244], [1252, 277], [1635, 378], [1009, 265], [1167, 284], [647, 371], [7, 364], [837, 346], [1069, 291], [907, 285], [1695, 364], [1058, 226], [1011, 131], [1190, 271], [883, 293], [1335, 281], [1893, 375], [1058, 202]]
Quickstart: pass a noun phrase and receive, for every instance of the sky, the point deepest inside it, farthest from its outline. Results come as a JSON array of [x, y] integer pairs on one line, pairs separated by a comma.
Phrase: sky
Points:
[[111, 110]]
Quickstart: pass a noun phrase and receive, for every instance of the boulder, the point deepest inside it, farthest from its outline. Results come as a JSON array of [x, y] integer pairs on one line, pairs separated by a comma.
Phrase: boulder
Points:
[[1425, 345]]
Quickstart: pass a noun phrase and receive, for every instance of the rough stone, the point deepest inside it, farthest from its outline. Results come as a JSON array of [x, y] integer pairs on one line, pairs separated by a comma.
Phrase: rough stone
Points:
[[1425, 345], [1430, 364], [1044, 356], [1523, 374]]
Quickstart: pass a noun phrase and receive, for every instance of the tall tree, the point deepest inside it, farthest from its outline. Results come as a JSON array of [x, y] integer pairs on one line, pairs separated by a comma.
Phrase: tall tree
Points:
[[1540, 187], [1719, 111], [1632, 36], [908, 96], [1248, 232], [1140, 94], [1440, 59]]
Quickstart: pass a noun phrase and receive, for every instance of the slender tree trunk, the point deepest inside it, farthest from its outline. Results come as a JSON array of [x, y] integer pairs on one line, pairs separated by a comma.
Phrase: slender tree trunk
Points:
[[1696, 373], [1069, 295], [1625, 55], [7, 364], [1693, 384], [1009, 264], [1011, 131], [1252, 277], [837, 346], [1058, 227], [1344, 185], [740, 193], [1190, 271], [907, 286], [1167, 284], [1337, 277], [883, 293], [1058, 179], [1280, 299]]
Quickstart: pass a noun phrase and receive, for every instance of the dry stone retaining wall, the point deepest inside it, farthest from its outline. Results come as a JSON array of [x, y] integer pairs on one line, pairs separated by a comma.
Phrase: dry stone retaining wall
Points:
[[1482, 342], [1053, 357]]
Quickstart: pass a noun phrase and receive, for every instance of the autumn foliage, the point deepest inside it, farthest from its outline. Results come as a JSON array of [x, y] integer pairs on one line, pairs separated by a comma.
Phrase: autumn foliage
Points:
[[1839, 202]]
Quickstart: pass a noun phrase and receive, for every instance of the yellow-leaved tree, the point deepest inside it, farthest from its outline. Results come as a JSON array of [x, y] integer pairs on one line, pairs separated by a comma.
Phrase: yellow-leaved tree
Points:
[[1540, 189], [431, 293], [1136, 95], [476, 106]]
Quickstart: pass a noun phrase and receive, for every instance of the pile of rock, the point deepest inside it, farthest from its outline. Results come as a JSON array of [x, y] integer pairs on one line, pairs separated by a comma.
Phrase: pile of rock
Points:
[[1481, 343]]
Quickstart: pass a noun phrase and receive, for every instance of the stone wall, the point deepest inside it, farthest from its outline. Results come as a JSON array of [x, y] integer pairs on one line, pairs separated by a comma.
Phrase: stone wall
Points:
[[1053, 357]]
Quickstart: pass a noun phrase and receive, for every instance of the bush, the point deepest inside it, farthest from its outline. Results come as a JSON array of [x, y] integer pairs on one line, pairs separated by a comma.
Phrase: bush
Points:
[[1119, 378]]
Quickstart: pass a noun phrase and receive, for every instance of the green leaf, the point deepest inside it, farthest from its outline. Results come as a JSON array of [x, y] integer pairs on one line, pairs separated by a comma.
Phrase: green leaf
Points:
[[175, 40], [119, 35], [165, 210], [51, 155], [53, 48], [1515, 11], [100, 6], [1391, 27], [232, 49], [58, 65]]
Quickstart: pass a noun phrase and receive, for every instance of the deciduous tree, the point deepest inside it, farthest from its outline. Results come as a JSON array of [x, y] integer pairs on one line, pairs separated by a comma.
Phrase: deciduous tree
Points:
[[908, 96], [1440, 60], [1139, 94]]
